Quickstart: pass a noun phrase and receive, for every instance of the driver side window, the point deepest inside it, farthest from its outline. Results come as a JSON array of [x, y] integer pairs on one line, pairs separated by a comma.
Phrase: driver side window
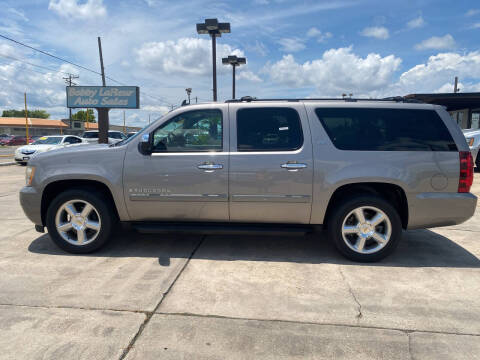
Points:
[[192, 131]]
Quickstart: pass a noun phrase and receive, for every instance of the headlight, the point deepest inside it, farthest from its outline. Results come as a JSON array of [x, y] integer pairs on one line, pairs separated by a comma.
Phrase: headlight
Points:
[[470, 141], [29, 174]]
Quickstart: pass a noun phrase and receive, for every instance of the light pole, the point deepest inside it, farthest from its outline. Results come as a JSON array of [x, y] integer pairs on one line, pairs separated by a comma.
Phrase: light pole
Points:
[[214, 29], [234, 61], [189, 91]]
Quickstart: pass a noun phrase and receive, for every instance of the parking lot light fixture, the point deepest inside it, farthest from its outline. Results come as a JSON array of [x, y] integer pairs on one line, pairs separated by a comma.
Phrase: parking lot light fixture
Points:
[[234, 61], [215, 29]]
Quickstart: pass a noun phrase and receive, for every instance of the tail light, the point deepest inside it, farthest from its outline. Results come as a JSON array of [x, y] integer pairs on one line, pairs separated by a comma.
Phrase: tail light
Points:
[[466, 172]]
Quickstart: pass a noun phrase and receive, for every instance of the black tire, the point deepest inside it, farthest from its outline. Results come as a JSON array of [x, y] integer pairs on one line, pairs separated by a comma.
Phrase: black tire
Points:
[[347, 205], [102, 206]]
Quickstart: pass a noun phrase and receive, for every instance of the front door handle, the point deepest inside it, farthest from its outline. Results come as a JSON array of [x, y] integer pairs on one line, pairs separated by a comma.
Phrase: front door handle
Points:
[[293, 166], [210, 167]]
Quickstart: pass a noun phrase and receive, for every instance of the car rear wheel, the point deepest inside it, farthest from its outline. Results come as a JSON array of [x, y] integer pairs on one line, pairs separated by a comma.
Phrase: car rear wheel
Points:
[[80, 221], [365, 228]]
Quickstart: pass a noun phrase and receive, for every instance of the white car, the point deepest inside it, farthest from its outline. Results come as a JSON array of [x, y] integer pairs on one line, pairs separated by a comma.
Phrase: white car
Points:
[[113, 136], [473, 140], [43, 144]]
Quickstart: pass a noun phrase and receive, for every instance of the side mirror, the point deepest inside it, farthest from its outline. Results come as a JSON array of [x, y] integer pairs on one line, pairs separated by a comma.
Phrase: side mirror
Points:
[[145, 145]]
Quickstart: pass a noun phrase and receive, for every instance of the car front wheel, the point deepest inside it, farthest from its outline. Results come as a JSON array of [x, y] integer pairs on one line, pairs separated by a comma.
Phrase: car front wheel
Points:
[[80, 220], [365, 228]]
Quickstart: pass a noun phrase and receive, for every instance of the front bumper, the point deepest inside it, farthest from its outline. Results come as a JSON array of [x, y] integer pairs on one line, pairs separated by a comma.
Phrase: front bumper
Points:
[[427, 210], [474, 152], [31, 202]]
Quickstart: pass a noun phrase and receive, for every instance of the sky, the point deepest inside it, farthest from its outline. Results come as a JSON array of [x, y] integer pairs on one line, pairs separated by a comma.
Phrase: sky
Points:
[[294, 48]]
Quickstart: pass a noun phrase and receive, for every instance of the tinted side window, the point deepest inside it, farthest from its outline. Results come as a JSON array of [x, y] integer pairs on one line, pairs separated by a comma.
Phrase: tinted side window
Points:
[[386, 129], [115, 135], [71, 140], [268, 129], [192, 131]]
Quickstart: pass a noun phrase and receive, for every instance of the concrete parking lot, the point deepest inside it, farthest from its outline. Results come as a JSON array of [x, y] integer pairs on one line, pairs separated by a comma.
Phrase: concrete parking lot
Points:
[[7, 154], [232, 297]]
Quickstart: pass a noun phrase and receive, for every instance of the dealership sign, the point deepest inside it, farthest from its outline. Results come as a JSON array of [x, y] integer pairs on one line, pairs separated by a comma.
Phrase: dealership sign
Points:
[[110, 97]]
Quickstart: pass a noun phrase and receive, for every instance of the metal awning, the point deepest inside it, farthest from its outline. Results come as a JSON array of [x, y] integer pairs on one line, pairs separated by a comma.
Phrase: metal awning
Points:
[[453, 101]]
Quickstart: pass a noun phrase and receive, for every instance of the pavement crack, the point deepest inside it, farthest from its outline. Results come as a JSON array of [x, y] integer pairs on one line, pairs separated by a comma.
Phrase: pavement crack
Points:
[[359, 306], [149, 314], [410, 346], [405, 331]]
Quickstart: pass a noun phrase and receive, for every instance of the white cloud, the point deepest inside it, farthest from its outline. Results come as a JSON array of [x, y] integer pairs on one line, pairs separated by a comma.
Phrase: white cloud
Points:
[[378, 32], [337, 71], [416, 23], [75, 9], [186, 56], [472, 12], [476, 25], [437, 43], [317, 34], [341, 70], [439, 70], [248, 75], [291, 44], [259, 47]]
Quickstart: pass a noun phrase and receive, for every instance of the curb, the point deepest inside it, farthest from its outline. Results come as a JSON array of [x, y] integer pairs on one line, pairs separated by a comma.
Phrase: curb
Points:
[[7, 163]]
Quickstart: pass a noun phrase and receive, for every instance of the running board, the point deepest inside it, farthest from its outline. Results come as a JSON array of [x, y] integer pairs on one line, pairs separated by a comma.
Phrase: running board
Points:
[[221, 228]]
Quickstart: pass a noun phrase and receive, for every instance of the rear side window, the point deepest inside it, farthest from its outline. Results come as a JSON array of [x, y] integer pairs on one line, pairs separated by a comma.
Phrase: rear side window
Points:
[[386, 129], [268, 129]]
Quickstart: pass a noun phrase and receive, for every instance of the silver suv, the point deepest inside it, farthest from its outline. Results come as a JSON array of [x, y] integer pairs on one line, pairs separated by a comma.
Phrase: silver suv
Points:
[[364, 170]]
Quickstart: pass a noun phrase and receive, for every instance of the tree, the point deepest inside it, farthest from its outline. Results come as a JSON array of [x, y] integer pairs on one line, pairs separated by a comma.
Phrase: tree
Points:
[[82, 116], [39, 114]]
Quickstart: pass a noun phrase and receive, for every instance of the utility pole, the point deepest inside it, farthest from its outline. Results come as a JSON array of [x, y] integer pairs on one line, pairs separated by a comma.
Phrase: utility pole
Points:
[[189, 91], [124, 122], [148, 119], [102, 112], [215, 29], [69, 82], [196, 99], [26, 119], [86, 123], [455, 87]]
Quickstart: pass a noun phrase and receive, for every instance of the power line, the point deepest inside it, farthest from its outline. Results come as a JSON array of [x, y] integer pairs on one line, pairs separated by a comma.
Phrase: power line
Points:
[[29, 63], [48, 54], [77, 65]]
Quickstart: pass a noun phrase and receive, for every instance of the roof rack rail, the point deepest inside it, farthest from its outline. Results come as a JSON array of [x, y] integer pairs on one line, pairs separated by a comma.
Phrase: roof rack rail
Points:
[[346, 99]]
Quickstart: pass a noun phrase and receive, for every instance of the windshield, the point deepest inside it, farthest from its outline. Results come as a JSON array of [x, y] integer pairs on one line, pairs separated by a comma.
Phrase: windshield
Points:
[[90, 135], [48, 140]]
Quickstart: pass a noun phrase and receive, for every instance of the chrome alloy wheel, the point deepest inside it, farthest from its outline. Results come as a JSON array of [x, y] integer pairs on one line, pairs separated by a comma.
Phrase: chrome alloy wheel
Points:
[[78, 222], [366, 230]]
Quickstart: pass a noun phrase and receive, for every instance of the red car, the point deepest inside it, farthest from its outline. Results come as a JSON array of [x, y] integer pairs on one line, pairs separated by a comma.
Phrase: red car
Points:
[[15, 140]]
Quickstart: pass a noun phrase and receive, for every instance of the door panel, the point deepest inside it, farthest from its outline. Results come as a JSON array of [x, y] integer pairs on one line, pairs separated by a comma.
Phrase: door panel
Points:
[[187, 184], [270, 186]]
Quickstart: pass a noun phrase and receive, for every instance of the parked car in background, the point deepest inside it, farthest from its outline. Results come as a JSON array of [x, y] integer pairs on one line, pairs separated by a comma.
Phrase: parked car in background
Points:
[[473, 140], [113, 136], [364, 170], [131, 133], [5, 139], [45, 143], [15, 140]]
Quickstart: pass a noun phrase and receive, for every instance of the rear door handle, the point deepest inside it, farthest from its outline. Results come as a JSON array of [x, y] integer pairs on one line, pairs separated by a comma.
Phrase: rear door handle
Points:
[[210, 167], [293, 166]]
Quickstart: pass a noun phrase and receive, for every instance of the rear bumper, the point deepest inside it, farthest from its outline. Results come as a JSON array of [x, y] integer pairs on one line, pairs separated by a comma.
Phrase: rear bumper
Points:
[[428, 210], [31, 202]]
